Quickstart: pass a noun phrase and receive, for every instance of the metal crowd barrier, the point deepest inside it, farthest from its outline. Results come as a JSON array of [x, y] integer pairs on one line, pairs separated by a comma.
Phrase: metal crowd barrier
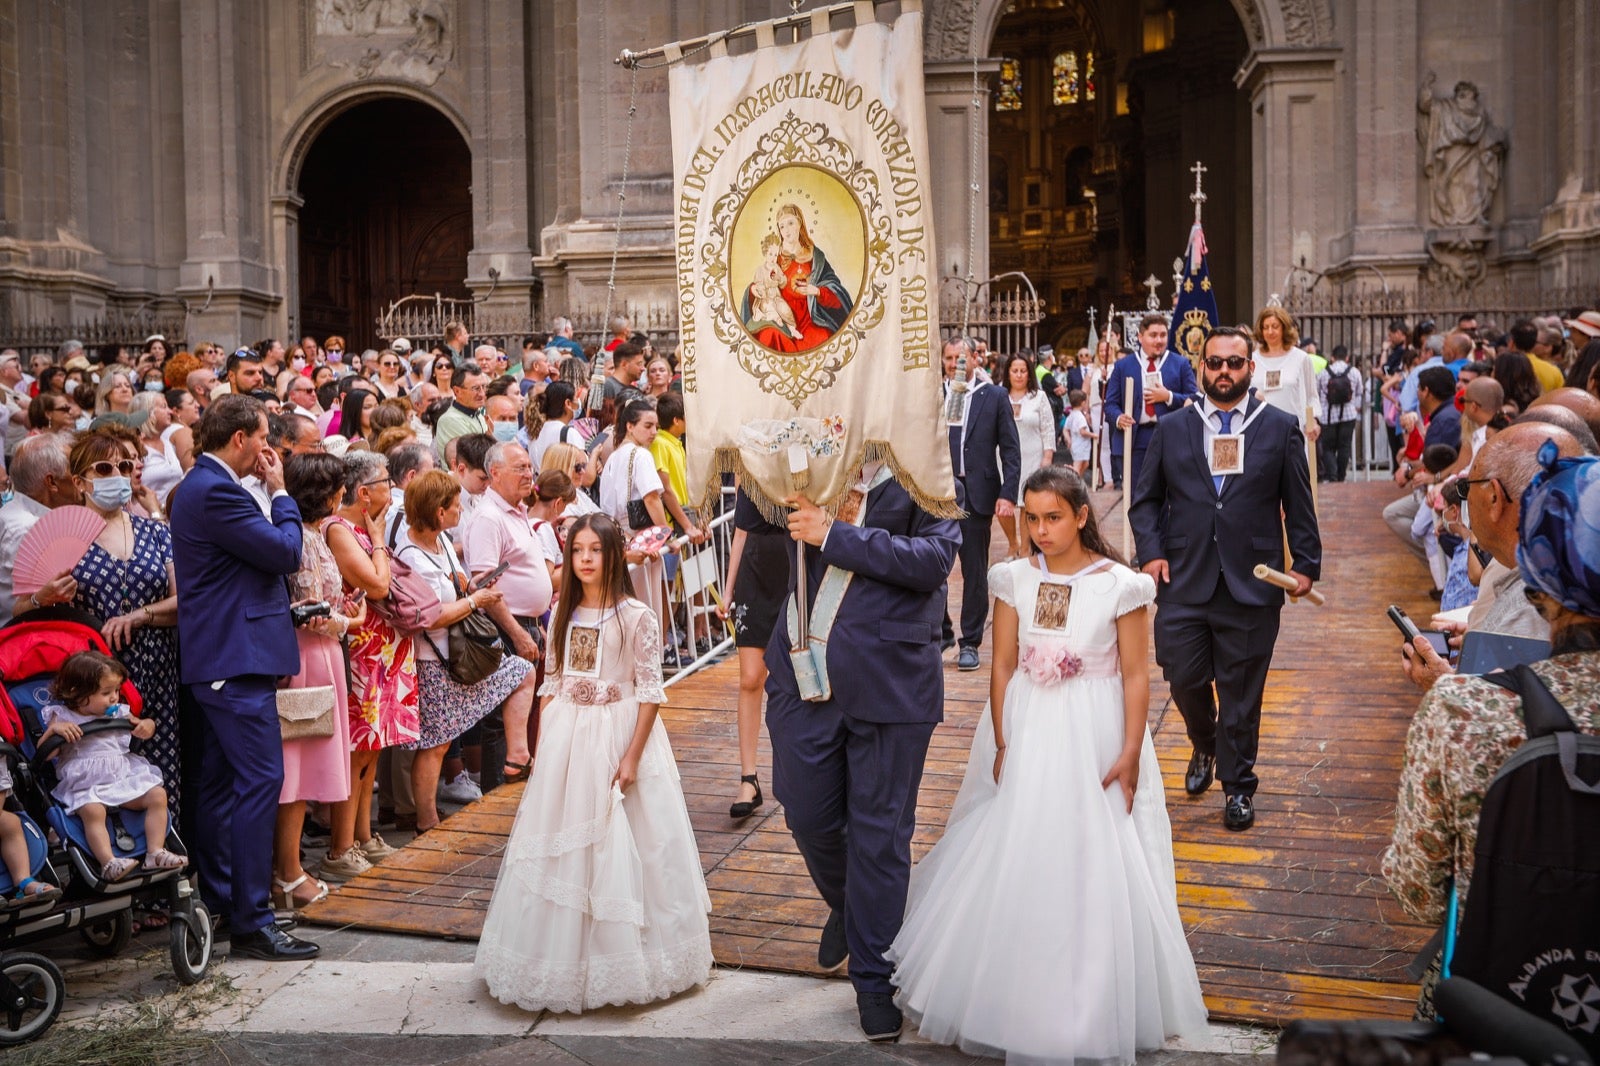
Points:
[[697, 587]]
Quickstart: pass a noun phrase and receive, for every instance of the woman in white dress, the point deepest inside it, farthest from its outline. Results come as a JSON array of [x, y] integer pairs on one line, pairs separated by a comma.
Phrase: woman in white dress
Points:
[[1095, 376], [1044, 925], [1036, 427], [1285, 376], [600, 898]]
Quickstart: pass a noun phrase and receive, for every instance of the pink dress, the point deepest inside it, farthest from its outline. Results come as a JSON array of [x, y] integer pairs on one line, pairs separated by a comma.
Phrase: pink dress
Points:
[[383, 668], [318, 768]]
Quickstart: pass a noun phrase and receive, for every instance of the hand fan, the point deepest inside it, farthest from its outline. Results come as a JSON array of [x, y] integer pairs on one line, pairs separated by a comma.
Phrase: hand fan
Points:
[[650, 539], [54, 545]]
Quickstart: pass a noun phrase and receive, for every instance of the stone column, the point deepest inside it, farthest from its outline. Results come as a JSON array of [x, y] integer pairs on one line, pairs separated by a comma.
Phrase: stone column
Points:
[[227, 269], [286, 236], [954, 133], [1294, 151], [1568, 244], [500, 265]]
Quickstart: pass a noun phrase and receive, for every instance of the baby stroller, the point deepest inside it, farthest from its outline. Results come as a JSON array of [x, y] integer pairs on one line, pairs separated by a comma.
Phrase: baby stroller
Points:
[[32, 649]]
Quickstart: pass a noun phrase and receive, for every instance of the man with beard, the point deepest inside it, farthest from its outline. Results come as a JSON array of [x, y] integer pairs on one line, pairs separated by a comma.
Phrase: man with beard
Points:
[[1201, 538]]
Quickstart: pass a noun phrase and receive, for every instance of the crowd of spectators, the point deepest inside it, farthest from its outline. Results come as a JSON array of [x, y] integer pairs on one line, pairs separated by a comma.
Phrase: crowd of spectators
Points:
[[464, 462]]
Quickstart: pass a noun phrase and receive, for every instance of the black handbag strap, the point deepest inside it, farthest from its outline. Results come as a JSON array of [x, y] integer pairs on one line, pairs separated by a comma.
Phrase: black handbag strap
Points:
[[1542, 713]]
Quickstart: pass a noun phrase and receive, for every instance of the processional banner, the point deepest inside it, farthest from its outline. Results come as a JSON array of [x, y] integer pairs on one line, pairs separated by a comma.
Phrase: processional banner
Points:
[[808, 313]]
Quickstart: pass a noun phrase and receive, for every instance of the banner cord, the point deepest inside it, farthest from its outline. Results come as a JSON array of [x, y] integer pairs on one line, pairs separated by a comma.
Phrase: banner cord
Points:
[[622, 200], [972, 183]]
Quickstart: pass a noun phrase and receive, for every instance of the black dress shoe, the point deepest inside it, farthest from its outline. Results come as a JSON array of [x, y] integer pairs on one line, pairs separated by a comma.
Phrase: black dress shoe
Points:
[[1198, 777], [274, 945], [745, 808], [880, 1018], [1240, 813], [832, 950]]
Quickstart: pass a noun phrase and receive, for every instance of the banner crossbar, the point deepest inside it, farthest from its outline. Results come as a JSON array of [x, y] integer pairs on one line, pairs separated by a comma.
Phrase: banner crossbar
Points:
[[680, 50]]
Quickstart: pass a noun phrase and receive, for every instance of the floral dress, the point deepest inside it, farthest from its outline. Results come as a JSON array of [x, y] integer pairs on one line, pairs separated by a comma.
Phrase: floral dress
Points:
[[108, 587], [383, 672]]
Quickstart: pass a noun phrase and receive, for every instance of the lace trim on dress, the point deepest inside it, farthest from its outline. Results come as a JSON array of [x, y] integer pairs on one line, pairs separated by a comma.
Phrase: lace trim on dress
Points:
[[576, 897], [597, 981], [647, 658]]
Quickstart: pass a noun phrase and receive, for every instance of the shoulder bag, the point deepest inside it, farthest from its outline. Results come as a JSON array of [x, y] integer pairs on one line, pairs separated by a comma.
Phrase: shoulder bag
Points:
[[475, 644], [638, 514]]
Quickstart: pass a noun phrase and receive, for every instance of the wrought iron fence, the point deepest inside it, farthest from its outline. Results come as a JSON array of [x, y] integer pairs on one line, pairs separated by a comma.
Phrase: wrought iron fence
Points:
[[1004, 310], [421, 319], [129, 330]]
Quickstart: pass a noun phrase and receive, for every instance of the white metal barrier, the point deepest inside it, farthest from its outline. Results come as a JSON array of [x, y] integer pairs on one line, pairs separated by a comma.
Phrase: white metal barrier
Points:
[[698, 586]]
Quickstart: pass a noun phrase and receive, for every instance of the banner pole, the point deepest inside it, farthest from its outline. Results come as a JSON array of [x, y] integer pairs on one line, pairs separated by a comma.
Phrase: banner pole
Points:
[[1127, 470], [1311, 461]]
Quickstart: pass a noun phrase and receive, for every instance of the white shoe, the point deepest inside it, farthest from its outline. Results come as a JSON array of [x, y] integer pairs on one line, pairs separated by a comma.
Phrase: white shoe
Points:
[[460, 789]]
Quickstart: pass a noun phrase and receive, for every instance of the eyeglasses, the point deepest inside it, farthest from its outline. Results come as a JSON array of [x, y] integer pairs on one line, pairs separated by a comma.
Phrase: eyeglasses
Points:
[[390, 366], [473, 388], [1463, 485], [578, 468], [1232, 362], [105, 468], [378, 481]]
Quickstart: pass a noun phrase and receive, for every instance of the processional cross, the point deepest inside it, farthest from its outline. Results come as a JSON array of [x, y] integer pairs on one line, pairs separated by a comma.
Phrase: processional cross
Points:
[[1152, 283], [1198, 197]]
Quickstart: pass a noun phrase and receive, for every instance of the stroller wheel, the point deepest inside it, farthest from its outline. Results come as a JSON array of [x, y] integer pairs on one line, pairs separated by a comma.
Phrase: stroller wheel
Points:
[[31, 993], [109, 935], [191, 943]]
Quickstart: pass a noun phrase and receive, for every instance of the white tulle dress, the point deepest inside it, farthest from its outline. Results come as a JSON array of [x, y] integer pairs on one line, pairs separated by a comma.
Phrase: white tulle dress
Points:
[[600, 898], [1043, 927]]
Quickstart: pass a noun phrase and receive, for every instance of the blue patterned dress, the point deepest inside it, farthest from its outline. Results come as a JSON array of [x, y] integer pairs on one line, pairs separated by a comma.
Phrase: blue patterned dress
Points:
[[107, 587]]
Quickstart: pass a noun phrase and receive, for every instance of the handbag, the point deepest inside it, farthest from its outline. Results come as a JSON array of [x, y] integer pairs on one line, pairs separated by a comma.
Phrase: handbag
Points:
[[411, 604], [638, 513], [474, 643], [305, 713]]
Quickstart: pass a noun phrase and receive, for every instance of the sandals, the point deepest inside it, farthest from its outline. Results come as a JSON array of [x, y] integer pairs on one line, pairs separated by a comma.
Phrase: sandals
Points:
[[30, 891], [118, 868], [162, 859], [745, 808], [284, 899], [520, 772]]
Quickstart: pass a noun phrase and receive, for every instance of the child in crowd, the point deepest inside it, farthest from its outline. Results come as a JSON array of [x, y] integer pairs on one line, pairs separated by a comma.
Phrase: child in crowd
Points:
[[577, 919], [14, 851], [1053, 884], [1080, 438], [1436, 459], [96, 772]]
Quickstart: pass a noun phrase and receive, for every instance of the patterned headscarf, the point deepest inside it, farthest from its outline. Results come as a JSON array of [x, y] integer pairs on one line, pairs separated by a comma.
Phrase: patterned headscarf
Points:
[[1559, 553]]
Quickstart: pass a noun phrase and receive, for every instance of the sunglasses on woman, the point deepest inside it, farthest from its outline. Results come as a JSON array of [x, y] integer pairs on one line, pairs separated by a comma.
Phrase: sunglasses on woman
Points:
[[105, 468], [1233, 362]]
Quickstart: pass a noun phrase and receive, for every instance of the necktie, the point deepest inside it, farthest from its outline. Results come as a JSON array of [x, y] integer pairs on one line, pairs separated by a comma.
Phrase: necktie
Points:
[[1227, 427], [1149, 404]]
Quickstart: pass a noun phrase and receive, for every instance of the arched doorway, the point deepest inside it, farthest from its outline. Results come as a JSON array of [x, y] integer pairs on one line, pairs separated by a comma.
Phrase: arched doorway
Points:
[[1099, 110], [387, 190]]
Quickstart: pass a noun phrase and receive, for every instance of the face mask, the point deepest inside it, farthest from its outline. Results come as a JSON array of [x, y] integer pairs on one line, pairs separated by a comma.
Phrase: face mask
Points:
[[298, 362], [1466, 519], [505, 431], [111, 492], [6, 497], [154, 386], [336, 356]]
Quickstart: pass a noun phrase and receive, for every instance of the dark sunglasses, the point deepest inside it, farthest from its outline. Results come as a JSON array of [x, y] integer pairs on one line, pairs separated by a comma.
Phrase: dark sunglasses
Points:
[[578, 468], [1232, 362], [105, 468], [390, 366]]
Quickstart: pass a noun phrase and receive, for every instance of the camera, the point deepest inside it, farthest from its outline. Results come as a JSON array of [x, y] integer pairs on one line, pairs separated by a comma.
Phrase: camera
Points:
[[305, 612]]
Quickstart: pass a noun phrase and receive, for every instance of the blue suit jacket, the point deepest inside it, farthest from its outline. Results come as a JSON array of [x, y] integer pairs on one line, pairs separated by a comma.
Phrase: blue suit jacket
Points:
[[233, 602], [1177, 515], [992, 452], [883, 652], [1176, 374]]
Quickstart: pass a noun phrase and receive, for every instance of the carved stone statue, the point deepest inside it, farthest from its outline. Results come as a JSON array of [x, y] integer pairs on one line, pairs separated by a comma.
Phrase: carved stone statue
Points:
[[1462, 154]]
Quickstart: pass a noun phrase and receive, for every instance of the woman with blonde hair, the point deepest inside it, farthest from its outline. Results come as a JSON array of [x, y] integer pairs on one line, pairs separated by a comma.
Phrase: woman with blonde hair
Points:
[[1284, 375], [573, 462]]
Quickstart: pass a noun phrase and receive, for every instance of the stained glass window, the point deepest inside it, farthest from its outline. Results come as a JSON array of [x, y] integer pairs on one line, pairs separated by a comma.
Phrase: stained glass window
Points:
[[1065, 78], [1088, 75], [1010, 96]]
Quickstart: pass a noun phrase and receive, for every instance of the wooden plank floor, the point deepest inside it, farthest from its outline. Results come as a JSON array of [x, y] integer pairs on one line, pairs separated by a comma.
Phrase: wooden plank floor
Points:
[[1288, 920]]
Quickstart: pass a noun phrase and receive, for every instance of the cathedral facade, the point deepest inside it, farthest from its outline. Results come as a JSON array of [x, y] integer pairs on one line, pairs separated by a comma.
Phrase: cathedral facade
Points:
[[273, 167]]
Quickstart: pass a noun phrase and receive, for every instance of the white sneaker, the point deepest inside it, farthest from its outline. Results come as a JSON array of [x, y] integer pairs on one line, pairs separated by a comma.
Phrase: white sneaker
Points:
[[460, 789]]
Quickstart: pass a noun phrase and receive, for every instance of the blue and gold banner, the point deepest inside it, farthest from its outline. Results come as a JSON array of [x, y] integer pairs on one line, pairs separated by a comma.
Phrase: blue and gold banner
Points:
[[1194, 316], [806, 289]]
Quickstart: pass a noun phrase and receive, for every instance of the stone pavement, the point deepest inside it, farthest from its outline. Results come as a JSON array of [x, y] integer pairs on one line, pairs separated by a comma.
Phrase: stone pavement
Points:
[[399, 1001]]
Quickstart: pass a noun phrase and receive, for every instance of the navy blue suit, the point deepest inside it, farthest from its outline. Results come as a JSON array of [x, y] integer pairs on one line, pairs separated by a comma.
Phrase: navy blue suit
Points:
[[1216, 621], [847, 769], [1178, 378], [235, 639], [987, 462]]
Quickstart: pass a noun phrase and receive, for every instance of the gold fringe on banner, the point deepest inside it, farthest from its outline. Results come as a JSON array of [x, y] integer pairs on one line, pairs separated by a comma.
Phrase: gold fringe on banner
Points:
[[729, 461]]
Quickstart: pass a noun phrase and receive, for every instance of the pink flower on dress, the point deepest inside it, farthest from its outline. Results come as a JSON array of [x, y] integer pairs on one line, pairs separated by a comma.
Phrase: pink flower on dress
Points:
[[1050, 663], [582, 690]]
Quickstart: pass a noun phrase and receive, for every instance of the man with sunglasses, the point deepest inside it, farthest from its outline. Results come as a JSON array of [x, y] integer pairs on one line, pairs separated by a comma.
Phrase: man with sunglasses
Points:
[[1163, 383], [1200, 537]]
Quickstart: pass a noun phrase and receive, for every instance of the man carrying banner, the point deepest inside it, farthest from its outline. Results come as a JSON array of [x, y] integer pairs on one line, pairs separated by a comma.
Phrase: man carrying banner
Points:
[[846, 768], [1162, 384]]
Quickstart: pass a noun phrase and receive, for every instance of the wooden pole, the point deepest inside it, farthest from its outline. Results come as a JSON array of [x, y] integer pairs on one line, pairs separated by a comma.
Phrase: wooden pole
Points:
[[1285, 582], [1311, 460], [1094, 451], [1127, 469]]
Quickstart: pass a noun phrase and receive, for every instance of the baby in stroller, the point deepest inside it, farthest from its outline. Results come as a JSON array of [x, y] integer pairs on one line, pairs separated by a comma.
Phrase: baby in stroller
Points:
[[99, 771]]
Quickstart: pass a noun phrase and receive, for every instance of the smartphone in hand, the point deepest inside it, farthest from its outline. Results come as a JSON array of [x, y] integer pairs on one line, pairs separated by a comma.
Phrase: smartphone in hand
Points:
[[1409, 630], [490, 578]]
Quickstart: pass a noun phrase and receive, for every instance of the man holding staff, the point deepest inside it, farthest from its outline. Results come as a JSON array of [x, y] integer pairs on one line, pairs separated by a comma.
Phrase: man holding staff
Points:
[[1218, 488], [1163, 382]]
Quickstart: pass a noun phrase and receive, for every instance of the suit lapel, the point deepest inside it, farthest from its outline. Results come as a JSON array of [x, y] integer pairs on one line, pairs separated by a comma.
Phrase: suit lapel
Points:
[[1195, 430]]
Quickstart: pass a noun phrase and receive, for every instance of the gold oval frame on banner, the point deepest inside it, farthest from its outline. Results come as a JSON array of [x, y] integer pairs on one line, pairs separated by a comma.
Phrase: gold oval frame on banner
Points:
[[792, 146]]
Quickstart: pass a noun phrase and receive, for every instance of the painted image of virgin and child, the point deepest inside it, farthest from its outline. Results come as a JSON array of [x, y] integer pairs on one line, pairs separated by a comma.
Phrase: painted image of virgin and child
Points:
[[795, 301]]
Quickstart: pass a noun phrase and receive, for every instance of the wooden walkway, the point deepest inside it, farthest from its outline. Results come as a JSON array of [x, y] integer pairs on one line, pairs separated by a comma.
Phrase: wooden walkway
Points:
[[1288, 920]]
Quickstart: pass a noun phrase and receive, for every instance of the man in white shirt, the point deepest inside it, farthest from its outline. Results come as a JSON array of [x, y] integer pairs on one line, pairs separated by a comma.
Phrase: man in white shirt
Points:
[[14, 397], [42, 480]]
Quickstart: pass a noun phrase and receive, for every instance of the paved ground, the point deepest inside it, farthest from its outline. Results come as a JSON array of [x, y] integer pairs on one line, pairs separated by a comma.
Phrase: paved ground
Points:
[[399, 1001]]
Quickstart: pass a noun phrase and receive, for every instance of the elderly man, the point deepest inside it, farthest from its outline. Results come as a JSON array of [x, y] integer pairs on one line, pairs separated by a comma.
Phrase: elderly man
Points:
[[502, 535], [422, 396], [14, 398], [487, 358], [501, 412], [42, 481], [561, 338], [535, 367], [471, 387], [1491, 496], [302, 398]]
